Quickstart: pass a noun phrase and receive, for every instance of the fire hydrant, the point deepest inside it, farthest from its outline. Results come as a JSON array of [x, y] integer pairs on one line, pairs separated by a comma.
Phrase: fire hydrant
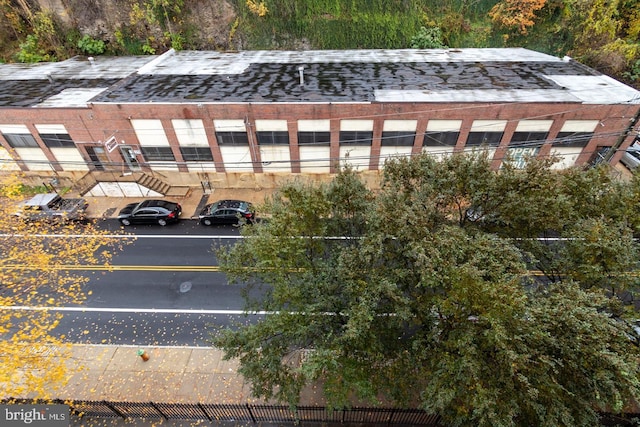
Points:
[[143, 354]]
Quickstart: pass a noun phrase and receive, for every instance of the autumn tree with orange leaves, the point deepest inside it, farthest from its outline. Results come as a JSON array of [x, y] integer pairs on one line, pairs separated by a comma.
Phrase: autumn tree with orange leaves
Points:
[[33, 278], [516, 14]]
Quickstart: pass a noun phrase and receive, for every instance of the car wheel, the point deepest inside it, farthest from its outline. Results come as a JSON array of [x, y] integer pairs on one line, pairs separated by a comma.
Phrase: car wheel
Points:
[[125, 222], [162, 222], [206, 221]]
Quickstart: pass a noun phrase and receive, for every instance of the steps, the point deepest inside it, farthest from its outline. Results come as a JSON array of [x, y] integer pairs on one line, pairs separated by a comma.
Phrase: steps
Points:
[[85, 184], [153, 183]]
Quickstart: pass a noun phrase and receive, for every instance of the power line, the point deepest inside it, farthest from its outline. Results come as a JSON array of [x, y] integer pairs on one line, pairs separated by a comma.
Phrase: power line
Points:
[[355, 141], [330, 161]]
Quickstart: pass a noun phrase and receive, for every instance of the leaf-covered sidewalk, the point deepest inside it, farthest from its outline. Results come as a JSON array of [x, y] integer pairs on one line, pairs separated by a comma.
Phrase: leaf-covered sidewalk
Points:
[[171, 375]]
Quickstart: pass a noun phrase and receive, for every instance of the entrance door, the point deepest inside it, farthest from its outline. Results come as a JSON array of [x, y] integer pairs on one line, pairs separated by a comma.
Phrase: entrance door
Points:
[[98, 157], [129, 157]]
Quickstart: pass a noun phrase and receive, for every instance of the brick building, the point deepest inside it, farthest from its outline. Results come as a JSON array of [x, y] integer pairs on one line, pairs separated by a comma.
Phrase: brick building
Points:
[[189, 118]]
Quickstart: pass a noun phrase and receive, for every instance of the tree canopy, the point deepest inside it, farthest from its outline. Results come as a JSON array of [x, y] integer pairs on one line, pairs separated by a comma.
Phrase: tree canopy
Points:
[[33, 278], [493, 298]]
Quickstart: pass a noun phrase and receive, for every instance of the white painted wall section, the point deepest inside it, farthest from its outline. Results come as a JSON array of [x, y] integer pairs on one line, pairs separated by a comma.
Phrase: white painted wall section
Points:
[[315, 159], [236, 158], [149, 133], [70, 158], [275, 158], [190, 133]]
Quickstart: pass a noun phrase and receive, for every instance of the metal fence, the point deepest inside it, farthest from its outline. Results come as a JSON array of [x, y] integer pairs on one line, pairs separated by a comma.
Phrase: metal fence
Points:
[[272, 413], [248, 412]]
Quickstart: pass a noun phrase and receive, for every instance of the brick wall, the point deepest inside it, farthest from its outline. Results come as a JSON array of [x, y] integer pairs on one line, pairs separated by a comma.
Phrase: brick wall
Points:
[[95, 124]]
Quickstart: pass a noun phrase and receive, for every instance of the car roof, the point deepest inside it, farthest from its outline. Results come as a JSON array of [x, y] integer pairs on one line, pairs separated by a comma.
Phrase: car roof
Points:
[[157, 203], [232, 204]]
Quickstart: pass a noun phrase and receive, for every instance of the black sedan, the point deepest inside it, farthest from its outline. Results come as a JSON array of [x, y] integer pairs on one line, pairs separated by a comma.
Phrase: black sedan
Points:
[[160, 212], [227, 212]]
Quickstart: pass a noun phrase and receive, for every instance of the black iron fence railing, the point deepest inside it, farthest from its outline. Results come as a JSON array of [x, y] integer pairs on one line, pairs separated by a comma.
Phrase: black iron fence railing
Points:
[[255, 414], [246, 412]]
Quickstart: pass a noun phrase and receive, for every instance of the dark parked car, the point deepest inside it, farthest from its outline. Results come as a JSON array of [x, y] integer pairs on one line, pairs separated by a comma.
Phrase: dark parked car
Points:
[[150, 212], [227, 212]]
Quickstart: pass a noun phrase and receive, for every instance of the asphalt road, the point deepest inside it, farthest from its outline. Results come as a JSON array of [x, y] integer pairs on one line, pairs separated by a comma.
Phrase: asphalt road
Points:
[[165, 290]]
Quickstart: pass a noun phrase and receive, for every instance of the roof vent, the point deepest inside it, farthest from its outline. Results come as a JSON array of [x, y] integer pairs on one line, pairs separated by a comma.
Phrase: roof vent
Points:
[[301, 72], [49, 76], [91, 60]]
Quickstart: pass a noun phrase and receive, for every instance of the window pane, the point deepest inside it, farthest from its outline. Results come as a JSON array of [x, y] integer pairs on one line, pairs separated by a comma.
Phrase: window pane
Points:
[[20, 140], [281, 138], [53, 140], [196, 154], [353, 137], [232, 138], [484, 138], [538, 137], [398, 139], [438, 139], [572, 139], [317, 138], [158, 153], [273, 138]]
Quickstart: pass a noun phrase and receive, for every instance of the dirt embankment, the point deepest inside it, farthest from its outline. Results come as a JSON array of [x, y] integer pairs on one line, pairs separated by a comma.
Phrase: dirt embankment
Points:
[[208, 21]]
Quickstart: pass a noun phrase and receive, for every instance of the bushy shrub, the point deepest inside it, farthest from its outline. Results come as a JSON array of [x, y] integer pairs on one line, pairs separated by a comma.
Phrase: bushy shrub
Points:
[[428, 38], [30, 51], [91, 46]]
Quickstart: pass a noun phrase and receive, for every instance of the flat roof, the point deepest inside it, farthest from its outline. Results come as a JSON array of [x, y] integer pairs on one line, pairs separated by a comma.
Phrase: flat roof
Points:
[[65, 84], [316, 76]]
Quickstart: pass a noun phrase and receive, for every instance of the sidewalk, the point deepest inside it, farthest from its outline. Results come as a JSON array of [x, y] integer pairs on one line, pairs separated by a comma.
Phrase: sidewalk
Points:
[[172, 374], [108, 207], [182, 375]]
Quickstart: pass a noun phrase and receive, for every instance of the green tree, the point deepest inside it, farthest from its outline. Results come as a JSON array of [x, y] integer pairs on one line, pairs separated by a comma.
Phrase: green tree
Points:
[[604, 33], [418, 294]]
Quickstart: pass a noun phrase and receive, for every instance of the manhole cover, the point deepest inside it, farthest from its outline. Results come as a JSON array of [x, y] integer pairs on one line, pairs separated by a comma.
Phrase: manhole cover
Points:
[[185, 287]]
